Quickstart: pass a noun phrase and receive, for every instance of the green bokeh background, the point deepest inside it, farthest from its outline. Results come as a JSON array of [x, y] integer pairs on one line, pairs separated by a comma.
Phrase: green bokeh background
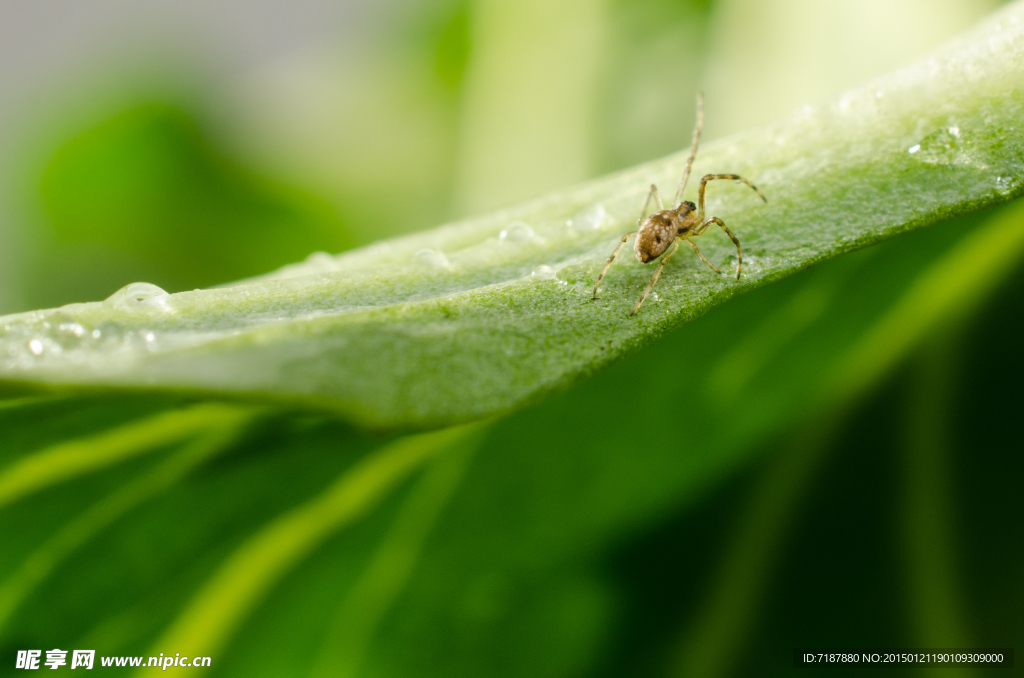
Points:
[[631, 526]]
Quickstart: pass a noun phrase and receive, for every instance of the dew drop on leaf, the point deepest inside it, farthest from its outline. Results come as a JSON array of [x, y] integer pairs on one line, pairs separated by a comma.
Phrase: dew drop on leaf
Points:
[[590, 219], [517, 231], [544, 273], [137, 294], [432, 257]]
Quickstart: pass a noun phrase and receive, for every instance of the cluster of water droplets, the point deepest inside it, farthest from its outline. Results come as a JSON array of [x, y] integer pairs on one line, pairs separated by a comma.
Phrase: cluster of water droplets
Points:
[[1006, 185], [946, 146], [942, 147], [30, 342], [31, 339]]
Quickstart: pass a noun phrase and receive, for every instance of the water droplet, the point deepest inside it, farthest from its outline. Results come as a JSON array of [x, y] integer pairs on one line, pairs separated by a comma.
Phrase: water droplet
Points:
[[36, 346], [138, 294], [544, 273], [590, 219], [322, 261], [64, 333], [517, 231], [73, 328], [1005, 184], [110, 333], [432, 257], [942, 147]]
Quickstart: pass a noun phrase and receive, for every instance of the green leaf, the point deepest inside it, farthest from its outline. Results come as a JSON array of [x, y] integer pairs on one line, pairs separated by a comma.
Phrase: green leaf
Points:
[[464, 322]]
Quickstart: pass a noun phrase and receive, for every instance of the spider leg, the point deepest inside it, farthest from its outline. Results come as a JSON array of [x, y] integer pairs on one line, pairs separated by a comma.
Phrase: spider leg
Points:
[[736, 241], [711, 177], [611, 259], [657, 274], [657, 198], [696, 251], [698, 125]]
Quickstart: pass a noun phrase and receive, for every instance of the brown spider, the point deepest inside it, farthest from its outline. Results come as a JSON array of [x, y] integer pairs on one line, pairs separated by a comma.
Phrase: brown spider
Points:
[[664, 229]]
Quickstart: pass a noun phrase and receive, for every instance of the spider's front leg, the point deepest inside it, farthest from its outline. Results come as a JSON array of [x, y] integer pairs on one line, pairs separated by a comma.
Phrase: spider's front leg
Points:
[[696, 251], [712, 177], [736, 241]]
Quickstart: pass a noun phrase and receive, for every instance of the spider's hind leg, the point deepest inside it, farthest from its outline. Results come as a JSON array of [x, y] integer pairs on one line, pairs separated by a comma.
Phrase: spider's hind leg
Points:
[[657, 274], [653, 193], [608, 264]]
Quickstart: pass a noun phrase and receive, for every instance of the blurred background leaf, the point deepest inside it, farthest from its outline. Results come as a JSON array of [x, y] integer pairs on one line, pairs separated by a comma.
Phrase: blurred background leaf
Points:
[[145, 191], [773, 475], [569, 546]]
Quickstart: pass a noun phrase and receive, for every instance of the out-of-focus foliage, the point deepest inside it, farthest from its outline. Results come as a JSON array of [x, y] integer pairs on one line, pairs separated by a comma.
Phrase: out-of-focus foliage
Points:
[[145, 195], [829, 460], [526, 556]]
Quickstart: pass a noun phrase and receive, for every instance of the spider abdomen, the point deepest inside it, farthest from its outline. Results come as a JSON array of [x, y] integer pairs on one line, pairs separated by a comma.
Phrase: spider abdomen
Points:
[[659, 230]]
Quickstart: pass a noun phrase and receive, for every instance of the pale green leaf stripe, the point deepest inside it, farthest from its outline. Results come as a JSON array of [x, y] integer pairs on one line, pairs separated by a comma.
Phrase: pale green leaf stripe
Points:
[[950, 288], [375, 592], [78, 457], [25, 401], [937, 610], [708, 648], [42, 562], [257, 564], [461, 322]]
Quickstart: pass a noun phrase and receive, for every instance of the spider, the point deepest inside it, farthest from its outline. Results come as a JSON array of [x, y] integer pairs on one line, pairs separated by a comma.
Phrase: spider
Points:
[[664, 229]]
